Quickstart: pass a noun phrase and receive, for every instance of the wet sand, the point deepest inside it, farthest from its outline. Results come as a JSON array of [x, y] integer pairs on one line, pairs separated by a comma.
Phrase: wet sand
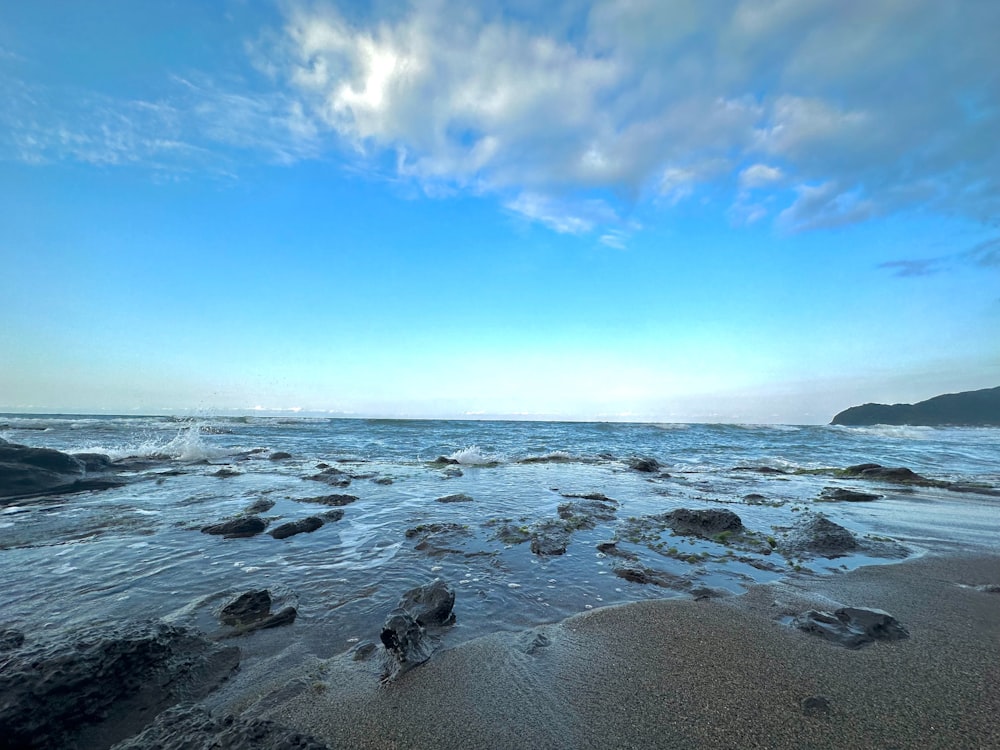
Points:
[[685, 674]]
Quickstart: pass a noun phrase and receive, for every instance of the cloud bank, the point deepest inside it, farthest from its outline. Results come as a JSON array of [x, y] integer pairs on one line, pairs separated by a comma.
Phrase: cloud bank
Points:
[[806, 114]]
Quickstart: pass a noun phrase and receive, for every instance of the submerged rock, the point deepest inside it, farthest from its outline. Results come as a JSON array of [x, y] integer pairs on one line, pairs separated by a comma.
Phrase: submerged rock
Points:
[[839, 494], [259, 506], [280, 456], [583, 514], [192, 728], [550, 538], [460, 497], [508, 533], [331, 476], [301, 526], [335, 501], [95, 687], [409, 630], [641, 574], [252, 611], [438, 538], [237, 528], [852, 627], [611, 548]]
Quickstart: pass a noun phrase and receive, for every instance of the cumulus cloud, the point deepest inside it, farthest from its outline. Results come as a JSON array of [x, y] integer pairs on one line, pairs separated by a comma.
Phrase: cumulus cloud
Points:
[[813, 114]]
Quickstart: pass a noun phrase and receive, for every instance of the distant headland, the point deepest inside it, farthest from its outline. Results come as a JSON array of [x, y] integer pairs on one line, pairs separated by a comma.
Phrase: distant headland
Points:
[[968, 409]]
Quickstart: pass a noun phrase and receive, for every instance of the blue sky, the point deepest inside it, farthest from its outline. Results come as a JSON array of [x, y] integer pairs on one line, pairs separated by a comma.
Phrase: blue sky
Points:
[[683, 211]]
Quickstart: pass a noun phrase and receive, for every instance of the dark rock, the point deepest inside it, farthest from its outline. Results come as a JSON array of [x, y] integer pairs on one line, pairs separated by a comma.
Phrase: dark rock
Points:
[[279, 456], [252, 611], [236, 528], [445, 460], [335, 501], [95, 687], [899, 475], [971, 409], [408, 632], [225, 473], [817, 533], [30, 472], [93, 462], [430, 605], [259, 506], [839, 494], [852, 627], [583, 514], [333, 515], [301, 526], [458, 498], [611, 548], [508, 533], [437, 538], [11, 639], [363, 650], [533, 641], [705, 523], [383, 480], [815, 705], [247, 608], [550, 538], [640, 574], [754, 498], [760, 469], [589, 496], [192, 728], [709, 592], [331, 476], [644, 464]]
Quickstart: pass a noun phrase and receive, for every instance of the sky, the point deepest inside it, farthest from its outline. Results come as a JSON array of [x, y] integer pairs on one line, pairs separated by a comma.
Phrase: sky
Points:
[[656, 210]]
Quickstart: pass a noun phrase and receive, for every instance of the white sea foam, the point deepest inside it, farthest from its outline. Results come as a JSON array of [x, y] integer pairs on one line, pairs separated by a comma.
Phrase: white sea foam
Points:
[[475, 456], [903, 432], [672, 426], [187, 445]]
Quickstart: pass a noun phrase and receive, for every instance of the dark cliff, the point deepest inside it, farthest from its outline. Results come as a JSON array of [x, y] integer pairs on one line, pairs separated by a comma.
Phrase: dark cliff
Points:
[[968, 409]]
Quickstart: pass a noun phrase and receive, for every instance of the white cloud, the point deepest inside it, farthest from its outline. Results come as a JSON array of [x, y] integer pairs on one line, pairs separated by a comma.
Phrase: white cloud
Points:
[[829, 112]]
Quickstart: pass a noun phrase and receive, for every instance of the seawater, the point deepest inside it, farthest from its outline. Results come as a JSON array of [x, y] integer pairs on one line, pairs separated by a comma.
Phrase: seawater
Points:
[[137, 552]]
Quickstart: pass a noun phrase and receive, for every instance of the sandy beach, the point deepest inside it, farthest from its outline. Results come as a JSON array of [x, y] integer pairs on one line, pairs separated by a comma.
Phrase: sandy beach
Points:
[[711, 673]]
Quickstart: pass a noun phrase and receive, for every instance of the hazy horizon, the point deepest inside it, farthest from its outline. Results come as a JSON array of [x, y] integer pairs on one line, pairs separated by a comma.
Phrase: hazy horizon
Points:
[[751, 211]]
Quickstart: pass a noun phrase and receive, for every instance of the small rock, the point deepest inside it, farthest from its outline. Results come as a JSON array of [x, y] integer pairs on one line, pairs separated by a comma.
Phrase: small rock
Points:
[[302, 526], [430, 605], [839, 494], [279, 456], [457, 498], [648, 465], [815, 705], [817, 533], [259, 506], [639, 574], [611, 548], [852, 627], [225, 472], [704, 523], [236, 528], [550, 538], [336, 501], [247, 608]]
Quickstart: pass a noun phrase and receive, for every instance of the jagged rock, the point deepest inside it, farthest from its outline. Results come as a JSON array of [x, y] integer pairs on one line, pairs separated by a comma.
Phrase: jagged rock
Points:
[[94, 687], [841, 495], [336, 501], [279, 456], [236, 528], [705, 523], [648, 465], [457, 498], [611, 548], [30, 472], [550, 538], [408, 633], [640, 574], [899, 475], [817, 533], [852, 627], [301, 526], [192, 728], [259, 506], [252, 611]]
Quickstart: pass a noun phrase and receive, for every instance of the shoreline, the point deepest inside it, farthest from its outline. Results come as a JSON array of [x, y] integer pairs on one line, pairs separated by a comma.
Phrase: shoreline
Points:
[[686, 673]]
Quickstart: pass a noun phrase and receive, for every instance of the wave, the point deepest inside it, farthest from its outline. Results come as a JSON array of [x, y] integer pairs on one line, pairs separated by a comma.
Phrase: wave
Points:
[[904, 432], [187, 445], [475, 456]]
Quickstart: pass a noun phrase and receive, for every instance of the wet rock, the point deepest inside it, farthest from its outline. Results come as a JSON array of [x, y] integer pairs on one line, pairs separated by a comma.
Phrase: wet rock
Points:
[[817, 533], [259, 506], [430, 605], [584, 514], [709, 592], [331, 476], [841, 495], [452, 473], [301, 526], [457, 498], [445, 460], [508, 533], [236, 528], [533, 641], [754, 498], [408, 639], [611, 548], [648, 465], [192, 728], [438, 538], [589, 496], [93, 462], [333, 515], [225, 473], [94, 687], [363, 650], [815, 705], [334, 501], [383, 480], [640, 574], [852, 627], [247, 608], [279, 456], [30, 472], [10, 639], [550, 538], [760, 469], [705, 523], [899, 475], [252, 611]]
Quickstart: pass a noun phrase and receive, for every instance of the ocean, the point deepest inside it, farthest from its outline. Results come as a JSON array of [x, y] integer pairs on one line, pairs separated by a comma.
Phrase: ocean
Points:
[[137, 551]]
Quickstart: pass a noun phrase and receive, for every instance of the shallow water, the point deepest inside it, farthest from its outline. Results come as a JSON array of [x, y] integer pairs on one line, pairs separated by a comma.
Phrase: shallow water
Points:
[[136, 551]]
